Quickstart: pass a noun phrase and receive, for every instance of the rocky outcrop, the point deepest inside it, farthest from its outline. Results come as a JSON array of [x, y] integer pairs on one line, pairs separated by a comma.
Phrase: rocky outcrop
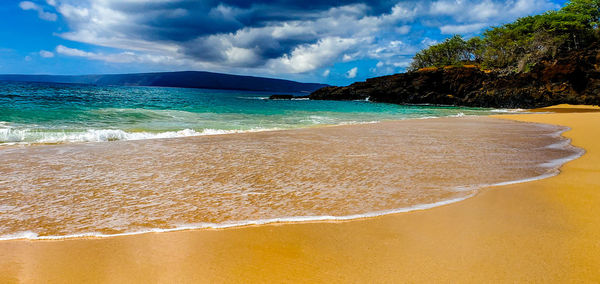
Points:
[[573, 78], [286, 97]]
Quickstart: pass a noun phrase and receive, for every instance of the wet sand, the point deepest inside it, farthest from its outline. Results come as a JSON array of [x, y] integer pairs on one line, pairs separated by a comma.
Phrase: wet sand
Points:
[[255, 178], [545, 230]]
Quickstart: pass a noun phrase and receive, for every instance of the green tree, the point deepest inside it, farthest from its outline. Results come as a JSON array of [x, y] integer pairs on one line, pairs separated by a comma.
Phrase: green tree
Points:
[[453, 51], [475, 49]]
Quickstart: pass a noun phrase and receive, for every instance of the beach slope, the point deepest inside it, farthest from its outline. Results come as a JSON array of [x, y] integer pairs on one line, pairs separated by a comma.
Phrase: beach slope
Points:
[[546, 230]]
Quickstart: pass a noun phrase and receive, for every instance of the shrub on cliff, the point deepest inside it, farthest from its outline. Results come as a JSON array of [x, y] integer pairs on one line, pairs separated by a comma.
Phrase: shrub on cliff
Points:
[[452, 52]]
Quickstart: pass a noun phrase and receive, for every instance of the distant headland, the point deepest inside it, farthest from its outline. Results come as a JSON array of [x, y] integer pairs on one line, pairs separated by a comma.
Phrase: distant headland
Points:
[[183, 79]]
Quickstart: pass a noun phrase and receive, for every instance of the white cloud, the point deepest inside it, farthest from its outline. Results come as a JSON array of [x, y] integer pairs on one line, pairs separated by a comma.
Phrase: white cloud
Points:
[[326, 73], [99, 24], [241, 56], [524, 7], [445, 7], [462, 29], [312, 56], [352, 73], [72, 12], [402, 30], [391, 51], [402, 11], [117, 41], [28, 5], [28, 58], [426, 42], [46, 54], [61, 49], [123, 57], [488, 11]]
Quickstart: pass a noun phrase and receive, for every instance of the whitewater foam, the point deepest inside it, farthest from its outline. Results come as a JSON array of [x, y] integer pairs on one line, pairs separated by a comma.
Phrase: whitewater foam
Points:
[[515, 110], [558, 162], [11, 136], [33, 236], [253, 98], [34, 134]]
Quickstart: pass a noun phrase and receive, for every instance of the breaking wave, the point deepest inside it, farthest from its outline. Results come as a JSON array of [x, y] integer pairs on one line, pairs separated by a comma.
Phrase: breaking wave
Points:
[[11, 136]]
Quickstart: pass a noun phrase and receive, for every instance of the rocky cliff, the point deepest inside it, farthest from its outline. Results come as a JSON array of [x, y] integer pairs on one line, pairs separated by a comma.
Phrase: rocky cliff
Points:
[[573, 77]]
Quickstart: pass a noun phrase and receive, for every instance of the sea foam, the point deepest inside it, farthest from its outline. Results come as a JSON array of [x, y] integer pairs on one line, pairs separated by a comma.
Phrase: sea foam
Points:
[[231, 224], [11, 136]]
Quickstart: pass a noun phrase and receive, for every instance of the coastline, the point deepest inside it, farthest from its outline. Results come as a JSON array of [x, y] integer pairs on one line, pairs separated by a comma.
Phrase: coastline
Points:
[[537, 231]]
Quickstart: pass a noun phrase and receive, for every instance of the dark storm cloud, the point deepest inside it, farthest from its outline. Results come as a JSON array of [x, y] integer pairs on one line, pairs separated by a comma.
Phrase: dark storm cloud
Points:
[[184, 20]]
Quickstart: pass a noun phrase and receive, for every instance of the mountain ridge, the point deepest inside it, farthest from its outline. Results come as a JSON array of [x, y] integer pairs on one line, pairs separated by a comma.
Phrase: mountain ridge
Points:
[[180, 79]]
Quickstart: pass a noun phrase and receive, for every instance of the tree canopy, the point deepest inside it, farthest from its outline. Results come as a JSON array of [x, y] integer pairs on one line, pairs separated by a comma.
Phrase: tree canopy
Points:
[[519, 45]]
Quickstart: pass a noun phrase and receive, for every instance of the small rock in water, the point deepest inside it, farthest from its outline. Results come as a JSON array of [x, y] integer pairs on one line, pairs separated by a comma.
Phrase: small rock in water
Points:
[[281, 97]]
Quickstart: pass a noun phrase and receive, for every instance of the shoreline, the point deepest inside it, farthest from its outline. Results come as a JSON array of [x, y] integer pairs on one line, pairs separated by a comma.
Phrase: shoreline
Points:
[[249, 223], [542, 230], [553, 165], [546, 168], [188, 132]]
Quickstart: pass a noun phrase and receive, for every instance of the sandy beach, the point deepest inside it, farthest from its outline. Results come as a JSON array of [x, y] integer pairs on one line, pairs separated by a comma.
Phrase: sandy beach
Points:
[[540, 231]]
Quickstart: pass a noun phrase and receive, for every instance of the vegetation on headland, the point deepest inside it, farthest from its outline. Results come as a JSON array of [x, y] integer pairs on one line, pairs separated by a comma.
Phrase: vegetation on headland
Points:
[[517, 46]]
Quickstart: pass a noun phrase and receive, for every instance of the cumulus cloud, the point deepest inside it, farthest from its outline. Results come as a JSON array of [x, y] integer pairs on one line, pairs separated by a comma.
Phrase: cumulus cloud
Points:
[[462, 29], [402, 30], [312, 56], [122, 57], [488, 11], [61, 49], [272, 36], [426, 42], [28, 5], [352, 73], [46, 54]]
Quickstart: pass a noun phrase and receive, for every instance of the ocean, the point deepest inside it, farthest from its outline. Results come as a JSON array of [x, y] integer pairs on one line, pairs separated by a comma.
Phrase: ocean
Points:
[[32, 113]]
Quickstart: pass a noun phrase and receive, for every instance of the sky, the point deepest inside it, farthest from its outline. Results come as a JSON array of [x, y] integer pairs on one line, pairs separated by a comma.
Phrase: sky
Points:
[[334, 42]]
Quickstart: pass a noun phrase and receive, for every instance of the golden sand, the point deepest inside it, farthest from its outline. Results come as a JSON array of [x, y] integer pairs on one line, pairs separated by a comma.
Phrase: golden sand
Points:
[[542, 231]]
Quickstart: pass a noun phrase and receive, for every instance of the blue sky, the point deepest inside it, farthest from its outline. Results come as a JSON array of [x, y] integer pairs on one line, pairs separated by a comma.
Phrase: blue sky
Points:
[[334, 42]]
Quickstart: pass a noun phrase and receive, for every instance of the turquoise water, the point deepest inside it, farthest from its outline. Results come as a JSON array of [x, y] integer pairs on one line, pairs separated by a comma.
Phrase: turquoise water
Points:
[[63, 113]]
